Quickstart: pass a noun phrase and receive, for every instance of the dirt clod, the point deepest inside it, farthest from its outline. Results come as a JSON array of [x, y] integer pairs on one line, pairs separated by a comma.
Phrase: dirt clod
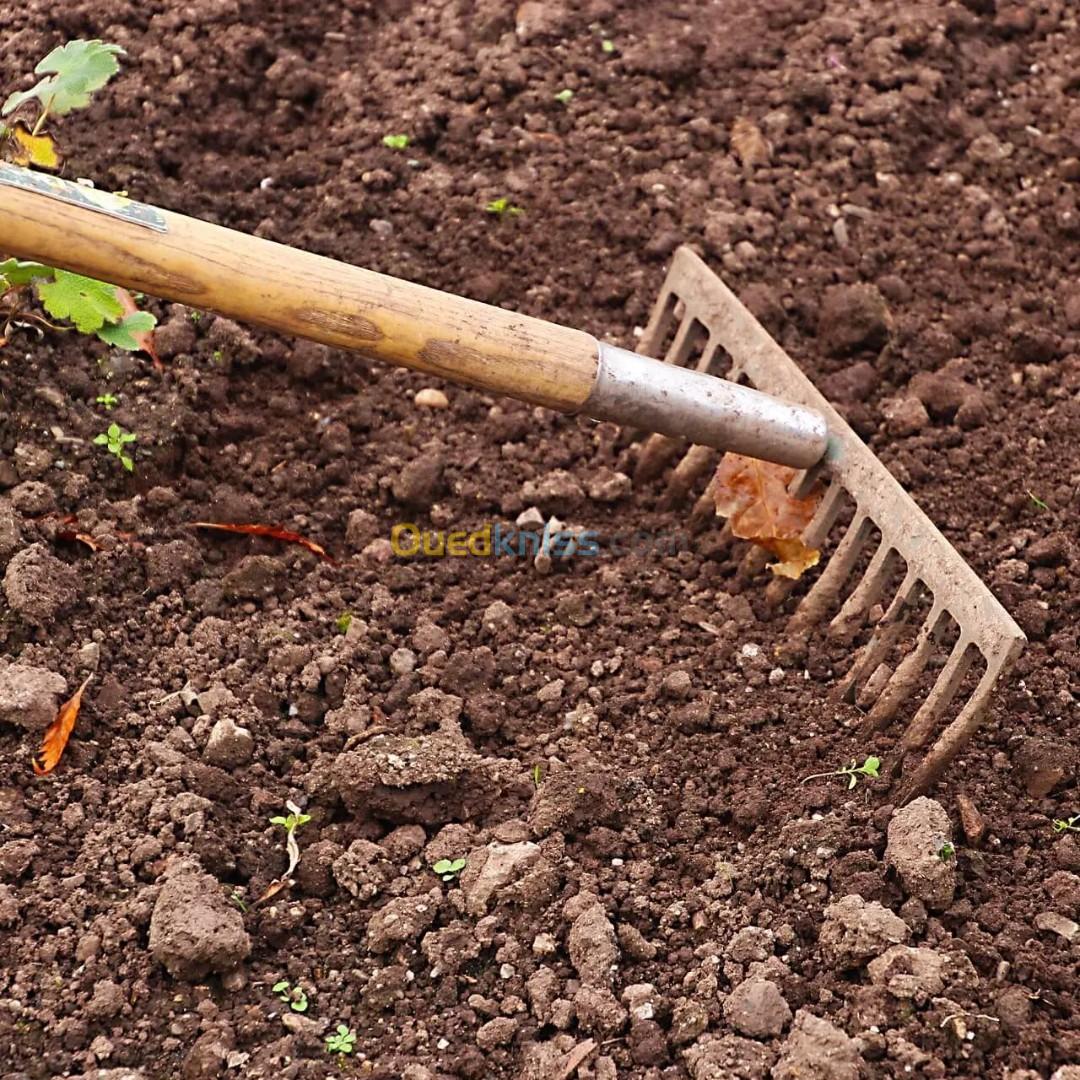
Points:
[[29, 696], [918, 835], [193, 929]]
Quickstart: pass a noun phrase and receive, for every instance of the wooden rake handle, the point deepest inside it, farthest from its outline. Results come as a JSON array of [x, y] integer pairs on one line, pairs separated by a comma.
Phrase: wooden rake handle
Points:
[[295, 292]]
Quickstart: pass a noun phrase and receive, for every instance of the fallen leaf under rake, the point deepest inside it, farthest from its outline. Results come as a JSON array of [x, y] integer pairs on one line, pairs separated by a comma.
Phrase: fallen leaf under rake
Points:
[[272, 532], [753, 495], [58, 732]]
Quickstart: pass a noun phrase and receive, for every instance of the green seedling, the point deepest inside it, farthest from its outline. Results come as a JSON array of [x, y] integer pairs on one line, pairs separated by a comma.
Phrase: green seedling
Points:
[[607, 45], [503, 207], [107, 401], [293, 996], [74, 71], [564, 97], [869, 768], [1037, 501], [238, 900], [342, 1041], [448, 869], [343, 622], [114, 439], [946, 851], [1071, 824], [396, 142], [537, 776], [295, 819]]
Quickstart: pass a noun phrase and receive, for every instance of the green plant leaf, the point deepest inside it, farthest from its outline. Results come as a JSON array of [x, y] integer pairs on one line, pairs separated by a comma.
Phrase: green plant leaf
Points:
[[14, 273], [396, 142], [122, 334], [277, 820], [871, 765], [278, 987], [443, 866], [89, 304], [564, 97], [101, 440], [75, 70], [456, 865]]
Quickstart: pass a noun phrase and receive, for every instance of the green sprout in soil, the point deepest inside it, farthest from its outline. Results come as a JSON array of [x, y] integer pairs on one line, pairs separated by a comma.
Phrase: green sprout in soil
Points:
[[293, 996], [74, 71], [342, 1041], [1071, 824], [238, 900], [115, 439], [537, 776], [1037, 501], [503, 207], [607, 45], [946, 851], [869, 768], [107, 401], [195, 316], [396, 142], [448, 869], [564, 97], [343, 622], [296, 818]]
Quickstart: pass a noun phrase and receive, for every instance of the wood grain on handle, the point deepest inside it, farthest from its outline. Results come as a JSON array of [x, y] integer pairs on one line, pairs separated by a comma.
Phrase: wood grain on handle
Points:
[[296, 292]]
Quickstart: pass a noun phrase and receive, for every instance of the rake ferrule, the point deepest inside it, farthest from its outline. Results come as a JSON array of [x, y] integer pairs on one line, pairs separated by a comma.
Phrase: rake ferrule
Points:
[[641, 392]]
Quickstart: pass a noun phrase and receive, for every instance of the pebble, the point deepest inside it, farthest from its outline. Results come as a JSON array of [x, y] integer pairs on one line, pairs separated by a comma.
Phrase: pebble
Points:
[[29, 696], [402, 661], [229, 745], [430, 398]]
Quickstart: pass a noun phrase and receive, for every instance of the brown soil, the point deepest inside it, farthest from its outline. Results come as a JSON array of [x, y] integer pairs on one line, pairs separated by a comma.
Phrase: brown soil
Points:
[[668, 816]]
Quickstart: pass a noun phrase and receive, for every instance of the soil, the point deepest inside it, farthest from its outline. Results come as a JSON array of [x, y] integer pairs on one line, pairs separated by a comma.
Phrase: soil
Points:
[[611, 746]]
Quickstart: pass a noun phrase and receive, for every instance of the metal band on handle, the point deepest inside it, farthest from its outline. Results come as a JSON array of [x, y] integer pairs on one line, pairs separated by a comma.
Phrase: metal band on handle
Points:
[[641, 392]]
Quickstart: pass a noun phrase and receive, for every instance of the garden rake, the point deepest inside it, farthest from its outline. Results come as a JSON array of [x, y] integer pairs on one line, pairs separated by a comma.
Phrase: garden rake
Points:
[[889, 565]]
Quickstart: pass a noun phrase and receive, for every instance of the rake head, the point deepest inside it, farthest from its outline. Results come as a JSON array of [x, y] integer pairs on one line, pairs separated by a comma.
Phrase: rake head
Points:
[[889, 569]]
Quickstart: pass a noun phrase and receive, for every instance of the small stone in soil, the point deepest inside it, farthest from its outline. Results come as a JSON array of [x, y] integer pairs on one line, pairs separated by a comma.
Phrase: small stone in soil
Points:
[[29, 696], [229, 745], [917, 834]]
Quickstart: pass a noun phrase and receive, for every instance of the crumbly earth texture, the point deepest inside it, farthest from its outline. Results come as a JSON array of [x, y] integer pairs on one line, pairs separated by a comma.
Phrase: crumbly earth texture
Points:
[[612, 746]]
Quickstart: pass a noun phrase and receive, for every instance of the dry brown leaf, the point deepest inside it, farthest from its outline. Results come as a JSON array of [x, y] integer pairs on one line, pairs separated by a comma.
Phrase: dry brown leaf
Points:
[[576, 1058], [753, 496], [273, 532], [58, 732], [751, 147], [27, 148]]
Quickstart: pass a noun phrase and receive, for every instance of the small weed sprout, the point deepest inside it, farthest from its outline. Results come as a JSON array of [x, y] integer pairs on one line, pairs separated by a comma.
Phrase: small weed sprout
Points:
[[107, 401], [946, 851], [608, 46], [293, 996], [1037, 501], [290, 824], [396, 142], [342, 1041], [537, 775], [852, 772], [238, 900], [1070, 824], [115, 439], [448, 869], [503, 207], [564, 97], [343, 622]]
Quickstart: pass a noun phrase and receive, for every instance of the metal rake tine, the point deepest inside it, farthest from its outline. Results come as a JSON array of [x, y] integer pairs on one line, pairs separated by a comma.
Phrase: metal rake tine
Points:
[[904, 678], [957, 735], [864, 596], [920, 729], [826, 590], [881, 643], [695, 463], [658, 452]]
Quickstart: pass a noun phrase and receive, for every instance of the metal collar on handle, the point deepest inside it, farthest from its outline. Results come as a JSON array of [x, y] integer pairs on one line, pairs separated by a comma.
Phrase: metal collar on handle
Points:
[[638, 391]]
